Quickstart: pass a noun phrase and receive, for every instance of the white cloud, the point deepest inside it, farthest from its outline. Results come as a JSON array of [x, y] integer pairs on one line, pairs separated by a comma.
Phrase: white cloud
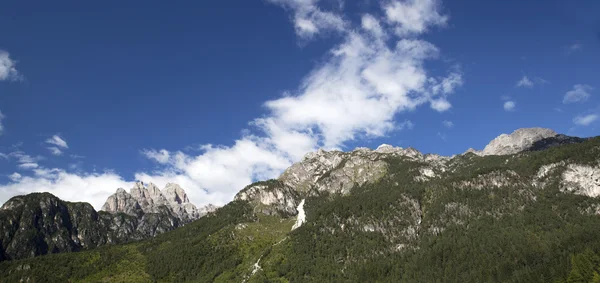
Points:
[[28, 165], [93, 187], [358, 90], [509, 106], [55, 151], [585, 120], [525, 82], [579, 93], [14, 176], [440, 105], [309, 20], [21, 157], [448, 124], [414, 17], [1, 125], [7, 68], [58, 141], [160, 156], [441, 136]]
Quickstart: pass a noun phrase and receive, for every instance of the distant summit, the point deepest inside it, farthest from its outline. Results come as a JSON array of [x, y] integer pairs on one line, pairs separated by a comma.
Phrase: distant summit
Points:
[[149, 198], [525, 139]]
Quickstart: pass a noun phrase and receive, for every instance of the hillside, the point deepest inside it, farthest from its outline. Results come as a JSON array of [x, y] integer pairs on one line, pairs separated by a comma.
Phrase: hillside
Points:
[[40, 223], [523, 210]]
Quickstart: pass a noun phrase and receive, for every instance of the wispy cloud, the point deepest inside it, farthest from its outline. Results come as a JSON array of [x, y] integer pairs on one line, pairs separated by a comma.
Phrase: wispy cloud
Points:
[[441, 136], [579, 93], [58, 141], [28, 165], [59, 144], [309, 20], [510, 106], [25, 161], [448, 124], [161, 156], [525, 82], [1, 125], [585, 120], [575, 47], [14, 176], [55, 151], [8, 71]]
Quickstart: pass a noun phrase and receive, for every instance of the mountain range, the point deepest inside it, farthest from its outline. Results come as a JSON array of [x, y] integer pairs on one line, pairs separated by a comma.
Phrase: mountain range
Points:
[[41, 223], [523, 209]]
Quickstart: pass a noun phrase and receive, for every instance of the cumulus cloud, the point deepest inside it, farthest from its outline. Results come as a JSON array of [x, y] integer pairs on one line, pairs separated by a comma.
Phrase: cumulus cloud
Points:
[[358, 90], [8, 71], [579, 93], [160, 156], [448, 124], [585, 120], [90, 187], [14, 176], [310, 20], [509, 106], [413, 17]]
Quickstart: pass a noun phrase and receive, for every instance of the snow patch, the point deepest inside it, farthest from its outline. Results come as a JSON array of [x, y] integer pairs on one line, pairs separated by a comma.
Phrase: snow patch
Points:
[[301, 216]]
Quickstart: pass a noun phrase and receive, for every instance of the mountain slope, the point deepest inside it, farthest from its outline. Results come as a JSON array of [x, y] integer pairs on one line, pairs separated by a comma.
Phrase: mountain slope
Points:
[[41, 223], [388, 215]]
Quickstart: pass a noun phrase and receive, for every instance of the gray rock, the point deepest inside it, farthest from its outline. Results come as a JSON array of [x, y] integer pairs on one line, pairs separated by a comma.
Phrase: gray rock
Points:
[[517, 141]]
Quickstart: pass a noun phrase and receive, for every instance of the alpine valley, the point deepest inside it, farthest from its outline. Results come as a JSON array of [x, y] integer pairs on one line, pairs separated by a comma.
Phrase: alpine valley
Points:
[[523, 209]]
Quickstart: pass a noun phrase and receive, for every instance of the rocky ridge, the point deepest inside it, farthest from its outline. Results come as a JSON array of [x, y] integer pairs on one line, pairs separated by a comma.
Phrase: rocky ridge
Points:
[[337, 172], [41, 223], [533, 196], [143, 199]]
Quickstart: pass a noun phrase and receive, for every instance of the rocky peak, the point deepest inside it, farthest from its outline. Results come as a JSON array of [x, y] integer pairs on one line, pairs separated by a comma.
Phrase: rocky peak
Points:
[[175, 194], [144, 199], [124, 202], [517, 141], [207, 209]]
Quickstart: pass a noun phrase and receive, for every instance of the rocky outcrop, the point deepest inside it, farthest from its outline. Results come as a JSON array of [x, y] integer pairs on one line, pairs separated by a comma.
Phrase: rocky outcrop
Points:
[[517, 141], [271, 197], [143, 199], [582, 179], [339, 172], [123, 202]]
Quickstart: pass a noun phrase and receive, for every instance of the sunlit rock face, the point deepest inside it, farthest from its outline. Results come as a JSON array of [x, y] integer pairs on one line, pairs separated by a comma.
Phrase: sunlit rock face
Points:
[[517, 141], [149, 198]]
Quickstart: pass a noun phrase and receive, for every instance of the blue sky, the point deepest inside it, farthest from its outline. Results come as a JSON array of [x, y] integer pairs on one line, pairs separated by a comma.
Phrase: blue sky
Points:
[[215, 94]]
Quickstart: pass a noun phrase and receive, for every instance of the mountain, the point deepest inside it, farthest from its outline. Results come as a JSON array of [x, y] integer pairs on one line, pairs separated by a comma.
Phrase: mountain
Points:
[[525, 210], [41, 223]]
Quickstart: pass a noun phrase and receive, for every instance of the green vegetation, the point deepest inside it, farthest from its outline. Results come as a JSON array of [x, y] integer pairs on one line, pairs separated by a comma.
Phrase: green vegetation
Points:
[[396, 230]]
